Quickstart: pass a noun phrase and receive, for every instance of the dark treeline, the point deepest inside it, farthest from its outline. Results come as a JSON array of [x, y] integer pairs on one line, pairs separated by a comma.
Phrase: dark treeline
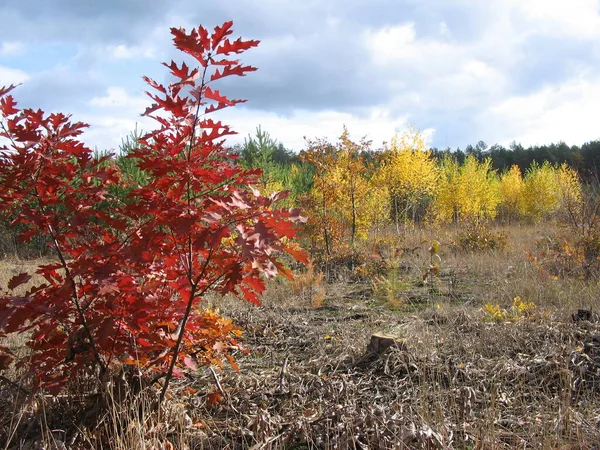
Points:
[[585, 159]]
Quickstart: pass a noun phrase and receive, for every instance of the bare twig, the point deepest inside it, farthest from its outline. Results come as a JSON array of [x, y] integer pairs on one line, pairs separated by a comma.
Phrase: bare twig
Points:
[[217, 382], [15, 385], [282, 374]]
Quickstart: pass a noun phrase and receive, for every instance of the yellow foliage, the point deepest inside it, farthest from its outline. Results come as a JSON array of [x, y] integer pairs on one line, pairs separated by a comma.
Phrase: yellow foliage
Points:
[[493, 313], [343, 204], [444, 207], [467, 193], [539, 197], [358, 202], [511, 187], [271, 186], [569, 192], [548, 190], [389, 289], [480, 237], [520, 309], [408, 173], [478, 190]]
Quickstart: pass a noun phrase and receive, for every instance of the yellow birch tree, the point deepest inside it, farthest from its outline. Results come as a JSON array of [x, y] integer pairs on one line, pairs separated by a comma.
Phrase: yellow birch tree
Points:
[[343, 203], [408, 174], [478, 190], [468, 193], [511, 188], [539, 198]]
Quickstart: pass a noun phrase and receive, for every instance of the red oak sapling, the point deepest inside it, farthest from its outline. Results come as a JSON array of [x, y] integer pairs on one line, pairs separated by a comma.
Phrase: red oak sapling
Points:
[[130, 275]]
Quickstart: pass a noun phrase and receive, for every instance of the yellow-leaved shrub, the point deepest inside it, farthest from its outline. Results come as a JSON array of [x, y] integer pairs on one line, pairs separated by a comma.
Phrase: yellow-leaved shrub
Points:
[[511, 188], [468, 193], [407, 174]]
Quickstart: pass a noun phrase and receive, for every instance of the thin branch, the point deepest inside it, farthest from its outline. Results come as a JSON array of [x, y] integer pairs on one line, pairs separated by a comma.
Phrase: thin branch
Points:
[[186, 316], [217, 382], [75, 298], [282, 374]]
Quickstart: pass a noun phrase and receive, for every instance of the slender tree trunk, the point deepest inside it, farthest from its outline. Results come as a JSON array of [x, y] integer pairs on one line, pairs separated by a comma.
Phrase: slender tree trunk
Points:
[[396, 219], [353, 201], [325, 225], [175, 351]]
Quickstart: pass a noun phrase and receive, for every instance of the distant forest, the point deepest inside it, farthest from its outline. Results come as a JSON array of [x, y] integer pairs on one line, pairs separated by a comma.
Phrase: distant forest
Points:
[[585, 158]]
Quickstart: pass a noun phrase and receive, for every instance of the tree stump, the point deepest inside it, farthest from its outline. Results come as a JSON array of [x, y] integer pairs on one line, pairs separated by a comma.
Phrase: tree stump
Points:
[[381, 342], [585, 315]]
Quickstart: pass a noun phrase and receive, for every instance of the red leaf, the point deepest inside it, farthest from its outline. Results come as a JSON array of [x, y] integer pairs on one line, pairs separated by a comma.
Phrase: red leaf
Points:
[[256, 283], [190, 363], [232, 362], [5, 361], [219, 347], [195, 43], [5, 90], [8, 106], [281, 227], [298, 254], [220, 33], [214, 398], [183, 73], [134, 261], [216, 96], [229, 70], [18, 280], [27, 235], [213, 107], [295, 215], [238, 46], [144, 343], [155, 85]]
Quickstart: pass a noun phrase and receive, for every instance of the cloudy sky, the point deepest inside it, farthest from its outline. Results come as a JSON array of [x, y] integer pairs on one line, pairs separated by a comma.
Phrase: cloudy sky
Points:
[[459, 70]]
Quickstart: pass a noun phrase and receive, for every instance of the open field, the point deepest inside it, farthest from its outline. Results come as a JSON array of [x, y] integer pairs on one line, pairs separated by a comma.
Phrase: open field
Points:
[[458, 377]]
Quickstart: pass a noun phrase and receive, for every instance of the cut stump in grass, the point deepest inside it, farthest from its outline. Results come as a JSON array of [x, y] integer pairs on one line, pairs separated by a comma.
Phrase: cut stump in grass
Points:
[[381, 342], [378, 345], [585, 315]]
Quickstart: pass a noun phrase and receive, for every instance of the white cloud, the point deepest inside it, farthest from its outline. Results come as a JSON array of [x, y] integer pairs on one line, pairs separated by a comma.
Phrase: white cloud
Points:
[[119, 113], [554, 113], [379, 126], [10, 76], [470, 83], [444, 30], [470, 69], [117, 97], [107, 132], [576, 18], [391, 44], [445, 74], [131, 52], [114, 117], [11, 48]]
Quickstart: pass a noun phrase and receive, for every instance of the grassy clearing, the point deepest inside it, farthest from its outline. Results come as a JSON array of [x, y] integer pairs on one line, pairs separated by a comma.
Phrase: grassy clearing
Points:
[[462, 378]]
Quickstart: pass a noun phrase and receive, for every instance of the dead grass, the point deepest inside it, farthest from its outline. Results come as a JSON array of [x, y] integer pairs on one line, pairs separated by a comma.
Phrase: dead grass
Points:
[[9, 267], [460, 382]]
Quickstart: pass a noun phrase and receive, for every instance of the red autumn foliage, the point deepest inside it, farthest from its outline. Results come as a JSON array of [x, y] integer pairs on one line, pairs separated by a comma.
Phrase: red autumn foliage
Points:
[[130, 276]]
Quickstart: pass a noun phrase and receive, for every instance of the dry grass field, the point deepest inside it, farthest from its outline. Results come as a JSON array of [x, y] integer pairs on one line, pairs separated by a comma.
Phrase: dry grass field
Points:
[[521, 373]]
